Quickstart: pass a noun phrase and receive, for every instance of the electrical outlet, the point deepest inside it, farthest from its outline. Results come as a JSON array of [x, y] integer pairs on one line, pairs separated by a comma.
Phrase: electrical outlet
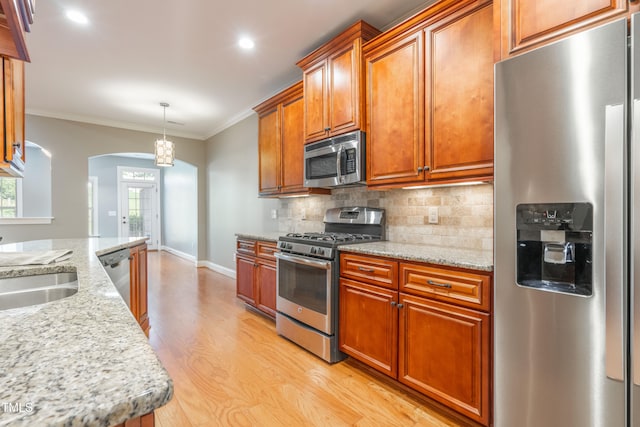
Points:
[[303, 213], [433, 215], [274, 214]]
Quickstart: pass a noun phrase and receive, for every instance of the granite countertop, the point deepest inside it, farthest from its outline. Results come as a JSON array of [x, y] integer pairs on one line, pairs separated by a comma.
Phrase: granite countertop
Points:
[[446, 256], [82, 360], [269, 236]]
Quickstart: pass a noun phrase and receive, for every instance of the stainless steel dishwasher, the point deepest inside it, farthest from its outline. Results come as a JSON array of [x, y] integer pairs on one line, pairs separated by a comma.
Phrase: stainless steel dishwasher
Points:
[[116, 264]]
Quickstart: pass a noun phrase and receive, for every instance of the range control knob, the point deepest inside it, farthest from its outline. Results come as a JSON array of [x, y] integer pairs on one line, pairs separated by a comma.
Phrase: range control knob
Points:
[[320, 251], [288, 246], [313, 250]]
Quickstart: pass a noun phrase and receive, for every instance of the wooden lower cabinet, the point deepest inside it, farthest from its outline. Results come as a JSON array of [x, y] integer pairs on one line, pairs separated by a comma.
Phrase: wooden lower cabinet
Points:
[[139, 286], [375, 340], [245, 279], [256, 274], [444, 353], [438, 348], [147, 420], [266, 287]]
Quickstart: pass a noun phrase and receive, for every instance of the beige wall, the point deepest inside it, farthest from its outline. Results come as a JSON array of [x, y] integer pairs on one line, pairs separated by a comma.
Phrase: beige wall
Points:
[[233, 205], [71, 144]]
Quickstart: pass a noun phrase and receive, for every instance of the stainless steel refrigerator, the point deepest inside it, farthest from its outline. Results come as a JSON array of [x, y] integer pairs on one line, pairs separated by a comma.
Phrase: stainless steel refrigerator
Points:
[[567, 233]]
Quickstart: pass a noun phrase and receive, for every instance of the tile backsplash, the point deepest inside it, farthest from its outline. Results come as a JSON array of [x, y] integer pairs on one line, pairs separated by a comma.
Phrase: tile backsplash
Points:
[[465, 213]]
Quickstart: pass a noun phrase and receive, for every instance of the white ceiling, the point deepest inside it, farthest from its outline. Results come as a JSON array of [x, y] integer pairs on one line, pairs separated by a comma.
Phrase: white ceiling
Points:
[[135, 54]]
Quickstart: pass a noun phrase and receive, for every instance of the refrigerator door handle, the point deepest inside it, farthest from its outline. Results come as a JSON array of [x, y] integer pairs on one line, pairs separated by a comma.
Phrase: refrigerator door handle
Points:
[[635, 292], [614, 219]]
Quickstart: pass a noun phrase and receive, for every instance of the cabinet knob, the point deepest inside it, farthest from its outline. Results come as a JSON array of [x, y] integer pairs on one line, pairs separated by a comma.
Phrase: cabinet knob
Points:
[[400, 305], [393, 303], [426, 168], [327, 129], [420, 169]]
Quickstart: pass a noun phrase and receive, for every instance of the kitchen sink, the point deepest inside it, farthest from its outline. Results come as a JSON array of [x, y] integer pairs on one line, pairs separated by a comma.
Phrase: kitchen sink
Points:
[[25, 291]]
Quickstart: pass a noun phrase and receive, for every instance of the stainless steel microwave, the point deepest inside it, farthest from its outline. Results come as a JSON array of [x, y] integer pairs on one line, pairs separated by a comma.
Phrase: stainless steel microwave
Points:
[[336, 161]]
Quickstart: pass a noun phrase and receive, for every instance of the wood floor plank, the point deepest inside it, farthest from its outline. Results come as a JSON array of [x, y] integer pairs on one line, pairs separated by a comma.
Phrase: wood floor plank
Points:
[[230, 368]]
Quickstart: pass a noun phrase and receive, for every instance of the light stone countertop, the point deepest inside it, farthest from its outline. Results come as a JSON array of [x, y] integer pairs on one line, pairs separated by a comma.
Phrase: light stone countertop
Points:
[[82, 360], [481, 260], [445, 256], [268, 236]]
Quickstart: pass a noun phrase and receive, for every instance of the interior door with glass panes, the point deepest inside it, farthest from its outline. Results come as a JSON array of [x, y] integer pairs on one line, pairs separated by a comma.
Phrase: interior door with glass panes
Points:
[[138, 210]]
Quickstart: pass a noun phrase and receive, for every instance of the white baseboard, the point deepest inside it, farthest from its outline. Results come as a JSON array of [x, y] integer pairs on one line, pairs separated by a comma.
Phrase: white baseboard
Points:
[[217, 268], [178, 253]]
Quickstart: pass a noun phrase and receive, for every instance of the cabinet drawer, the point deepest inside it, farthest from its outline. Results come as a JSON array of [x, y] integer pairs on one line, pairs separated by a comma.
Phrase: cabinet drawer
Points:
[[247, 247], [266, 250], [459, 287], [373, 270]]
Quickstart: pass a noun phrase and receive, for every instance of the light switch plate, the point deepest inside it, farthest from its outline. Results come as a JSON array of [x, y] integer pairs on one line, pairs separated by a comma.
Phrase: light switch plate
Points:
[[433, 215]]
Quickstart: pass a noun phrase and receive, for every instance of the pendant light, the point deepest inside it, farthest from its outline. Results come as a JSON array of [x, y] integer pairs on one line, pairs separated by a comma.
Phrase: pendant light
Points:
[[165, 152]]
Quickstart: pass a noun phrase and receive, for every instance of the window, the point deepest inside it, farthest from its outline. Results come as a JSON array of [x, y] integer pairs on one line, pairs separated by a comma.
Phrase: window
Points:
[[92, 187], [10, 197], [137, 175]]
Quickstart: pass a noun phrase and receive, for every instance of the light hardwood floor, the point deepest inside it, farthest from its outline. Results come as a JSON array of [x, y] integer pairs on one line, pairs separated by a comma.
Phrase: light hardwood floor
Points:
[[230, 368]]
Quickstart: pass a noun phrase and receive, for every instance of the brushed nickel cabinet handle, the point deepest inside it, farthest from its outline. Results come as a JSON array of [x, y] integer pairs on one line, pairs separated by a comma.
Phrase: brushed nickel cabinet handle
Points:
[[441, 285], [366, 270]]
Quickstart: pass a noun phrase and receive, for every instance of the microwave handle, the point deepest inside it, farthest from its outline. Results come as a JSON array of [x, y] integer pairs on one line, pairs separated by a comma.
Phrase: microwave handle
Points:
[[339, 164]]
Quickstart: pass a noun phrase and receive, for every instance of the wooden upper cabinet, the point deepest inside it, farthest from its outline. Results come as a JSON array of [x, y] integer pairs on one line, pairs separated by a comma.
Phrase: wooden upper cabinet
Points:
[[429, 96], [292, 145], [395, 110], [13, 27], [12, 126], [269, 151], [281, 144], [460, 55], [315, 104], [526, 24], [332, 76]]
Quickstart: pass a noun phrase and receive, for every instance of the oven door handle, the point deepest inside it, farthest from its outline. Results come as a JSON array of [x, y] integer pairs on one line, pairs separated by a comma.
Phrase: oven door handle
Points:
[[325, 265]]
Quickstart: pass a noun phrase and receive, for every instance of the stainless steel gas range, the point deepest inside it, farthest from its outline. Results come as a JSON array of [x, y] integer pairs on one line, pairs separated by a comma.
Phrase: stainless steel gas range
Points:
[[307, 278]]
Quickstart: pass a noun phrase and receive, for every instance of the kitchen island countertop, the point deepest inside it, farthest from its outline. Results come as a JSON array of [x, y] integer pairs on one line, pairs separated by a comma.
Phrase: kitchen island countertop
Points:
[[82, 360]]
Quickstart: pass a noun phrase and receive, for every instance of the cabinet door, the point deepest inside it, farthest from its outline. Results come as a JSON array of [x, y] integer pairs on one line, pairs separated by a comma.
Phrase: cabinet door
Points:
[[532, 23], [315, 102], [143, 305], [138, 303], [266, 288], [269, 152], [459, 52], [344, 89], [395, 111], [14, 141], [369, 325], [292, 145], [444, 352], [245, 279]]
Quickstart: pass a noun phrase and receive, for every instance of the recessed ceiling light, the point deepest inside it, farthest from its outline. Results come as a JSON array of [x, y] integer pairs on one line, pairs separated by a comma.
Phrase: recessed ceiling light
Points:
[[77, 17], [246, 43]]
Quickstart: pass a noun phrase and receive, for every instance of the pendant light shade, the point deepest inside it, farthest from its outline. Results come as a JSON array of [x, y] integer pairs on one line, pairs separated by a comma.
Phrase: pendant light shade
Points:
[[165, 150]]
